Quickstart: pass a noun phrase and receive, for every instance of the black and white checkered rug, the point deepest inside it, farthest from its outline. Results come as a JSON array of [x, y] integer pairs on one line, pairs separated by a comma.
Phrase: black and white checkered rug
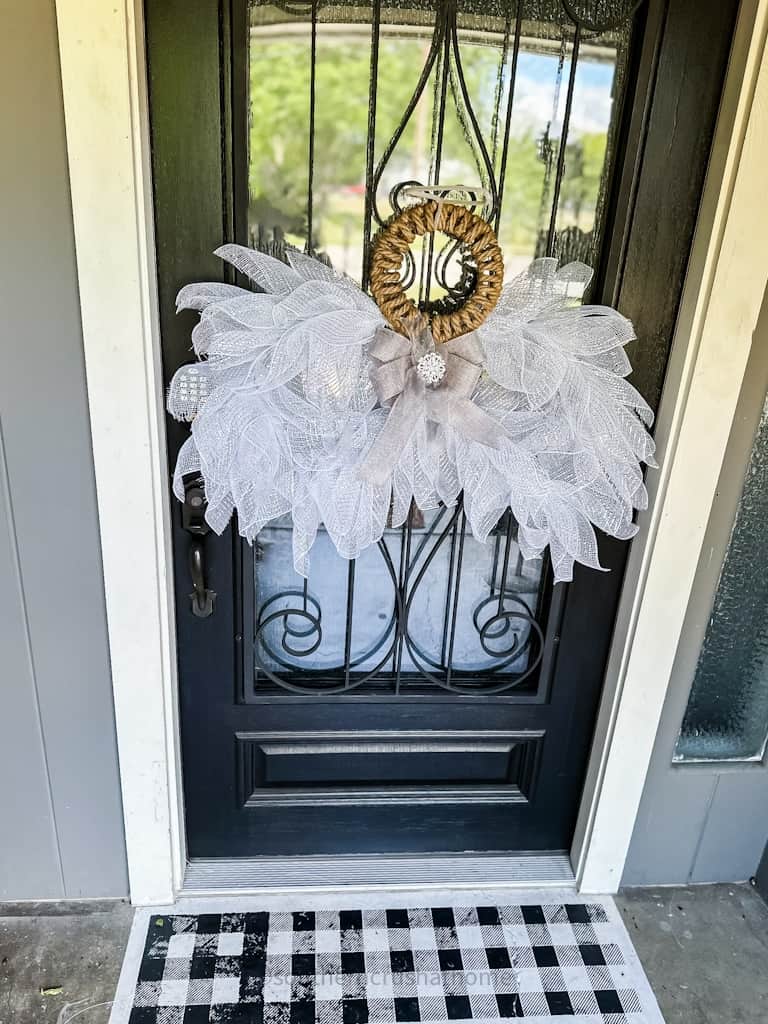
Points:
[[378, 965]]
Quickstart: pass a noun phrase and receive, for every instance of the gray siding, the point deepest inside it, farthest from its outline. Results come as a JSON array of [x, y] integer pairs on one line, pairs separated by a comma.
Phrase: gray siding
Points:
[[60, 814], [706, 822]]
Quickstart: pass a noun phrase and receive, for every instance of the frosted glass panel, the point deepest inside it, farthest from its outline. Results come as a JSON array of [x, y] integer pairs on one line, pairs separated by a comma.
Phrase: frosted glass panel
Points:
[[727, 714], [468, 613]]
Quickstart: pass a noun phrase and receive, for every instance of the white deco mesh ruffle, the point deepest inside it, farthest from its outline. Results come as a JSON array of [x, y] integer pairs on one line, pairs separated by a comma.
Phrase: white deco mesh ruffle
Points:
[[283, 413]]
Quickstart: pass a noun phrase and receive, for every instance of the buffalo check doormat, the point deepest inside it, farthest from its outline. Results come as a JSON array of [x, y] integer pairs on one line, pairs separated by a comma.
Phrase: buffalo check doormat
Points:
[[473, 957]]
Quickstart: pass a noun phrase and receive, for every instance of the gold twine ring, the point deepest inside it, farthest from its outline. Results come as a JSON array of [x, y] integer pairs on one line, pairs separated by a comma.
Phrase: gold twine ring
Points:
[[395, 239]]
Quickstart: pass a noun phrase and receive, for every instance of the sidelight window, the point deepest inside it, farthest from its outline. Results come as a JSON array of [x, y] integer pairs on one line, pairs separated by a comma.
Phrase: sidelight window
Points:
[[727, 714]]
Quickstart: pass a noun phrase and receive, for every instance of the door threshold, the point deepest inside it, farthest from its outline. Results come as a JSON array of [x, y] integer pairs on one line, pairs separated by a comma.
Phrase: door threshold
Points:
[[211, 877]]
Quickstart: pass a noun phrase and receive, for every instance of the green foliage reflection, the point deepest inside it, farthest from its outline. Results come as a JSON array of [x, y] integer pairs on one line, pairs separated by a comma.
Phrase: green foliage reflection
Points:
[[279, 142]]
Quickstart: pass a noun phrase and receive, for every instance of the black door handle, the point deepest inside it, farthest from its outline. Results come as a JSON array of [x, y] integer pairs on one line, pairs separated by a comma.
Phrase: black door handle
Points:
[[193, 521], [203, 599]]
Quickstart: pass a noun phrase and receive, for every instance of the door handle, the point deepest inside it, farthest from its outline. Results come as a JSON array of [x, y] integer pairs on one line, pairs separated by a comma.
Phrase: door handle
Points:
[[203, 599], [193, 521]]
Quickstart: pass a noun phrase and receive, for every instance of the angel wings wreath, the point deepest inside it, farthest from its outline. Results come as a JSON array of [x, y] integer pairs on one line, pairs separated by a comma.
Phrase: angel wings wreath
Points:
[[310, 398]]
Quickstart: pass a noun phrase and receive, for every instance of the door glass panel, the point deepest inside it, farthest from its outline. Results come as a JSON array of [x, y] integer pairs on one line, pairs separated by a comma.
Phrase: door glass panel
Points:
[[727, 714], [471, 612], [347, 103], [497, 107]]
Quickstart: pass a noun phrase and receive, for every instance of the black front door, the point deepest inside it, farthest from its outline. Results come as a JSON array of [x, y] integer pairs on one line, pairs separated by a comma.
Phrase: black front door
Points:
[[437, 694]]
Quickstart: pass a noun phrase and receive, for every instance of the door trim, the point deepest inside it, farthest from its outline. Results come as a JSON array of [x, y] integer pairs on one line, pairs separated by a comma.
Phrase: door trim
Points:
[[721, 301], [103, 69], [104, 86]]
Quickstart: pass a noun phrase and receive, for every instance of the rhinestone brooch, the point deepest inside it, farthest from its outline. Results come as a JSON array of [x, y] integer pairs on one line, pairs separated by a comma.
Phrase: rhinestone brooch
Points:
[[431, 368]]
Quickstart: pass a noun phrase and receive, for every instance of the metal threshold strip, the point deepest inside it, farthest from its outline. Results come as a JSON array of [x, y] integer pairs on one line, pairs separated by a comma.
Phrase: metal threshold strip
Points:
[[205, 877]]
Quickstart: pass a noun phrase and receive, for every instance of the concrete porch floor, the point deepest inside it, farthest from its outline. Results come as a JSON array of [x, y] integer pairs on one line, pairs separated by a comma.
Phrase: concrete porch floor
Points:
[[704, 949]]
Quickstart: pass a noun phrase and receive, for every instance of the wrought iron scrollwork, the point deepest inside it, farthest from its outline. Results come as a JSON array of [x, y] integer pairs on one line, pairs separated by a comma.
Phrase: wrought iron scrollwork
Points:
[[444, 59], [399, 659]]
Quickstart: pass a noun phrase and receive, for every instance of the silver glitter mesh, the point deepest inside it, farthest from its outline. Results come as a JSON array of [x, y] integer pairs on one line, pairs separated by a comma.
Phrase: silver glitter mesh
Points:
[[283, 414]]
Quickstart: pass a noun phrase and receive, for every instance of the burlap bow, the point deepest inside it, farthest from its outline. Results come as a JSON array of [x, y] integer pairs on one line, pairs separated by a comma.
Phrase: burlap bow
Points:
[[399, 385]]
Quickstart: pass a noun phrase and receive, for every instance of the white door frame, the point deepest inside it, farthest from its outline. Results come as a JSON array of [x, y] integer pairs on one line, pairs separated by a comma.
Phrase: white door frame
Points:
[[104, 82]]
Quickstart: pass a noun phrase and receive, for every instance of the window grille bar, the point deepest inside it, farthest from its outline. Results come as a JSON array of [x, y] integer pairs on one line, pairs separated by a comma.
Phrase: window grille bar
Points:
[[370, 142], [403, 620], [438, 126], [464, 105], [348, 628], [462, 527], [495, 566], [508, 117], [312, 101], [448, 594], [505, 566], [559, 173], [434, 50]]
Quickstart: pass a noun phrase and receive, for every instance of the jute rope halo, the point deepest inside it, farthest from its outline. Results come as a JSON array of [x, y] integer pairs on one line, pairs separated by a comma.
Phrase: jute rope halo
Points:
[[396, 237]]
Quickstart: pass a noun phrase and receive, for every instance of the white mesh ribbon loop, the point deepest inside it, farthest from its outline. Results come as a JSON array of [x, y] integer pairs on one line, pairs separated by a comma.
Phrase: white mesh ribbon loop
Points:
[[304, 401]]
